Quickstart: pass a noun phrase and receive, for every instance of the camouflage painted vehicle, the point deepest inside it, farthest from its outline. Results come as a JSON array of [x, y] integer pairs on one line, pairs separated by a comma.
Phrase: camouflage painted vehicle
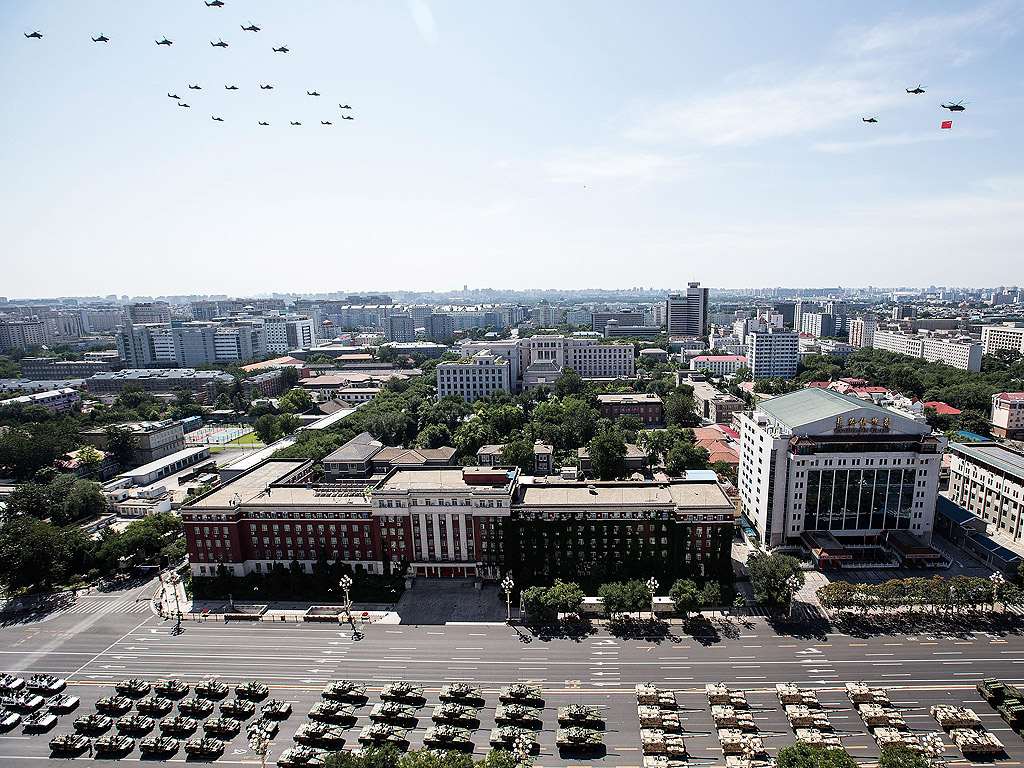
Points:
[[253, 690], [63, 704], [194, 706], [114, 744], [212, 689], [402, 691], [156, 706], [345, 690], [69, 744], [581, 716], [94, 723], [275, 709], [22, 702], [179, 726], [520, 693], [39, 721], [204, 749], [300, 757], [11, 683], [463, 693], [114, 705], [334, 712], [379, 734], [8, 719], [393, 712], [505, 736], [134, 687], [46, 684], [320, 735], [262, 724], [517, 714], [158, 746], [172, 688], [224, 728], [138, 725], [453, 713], [448, 737], [240, 709], [578, 739]]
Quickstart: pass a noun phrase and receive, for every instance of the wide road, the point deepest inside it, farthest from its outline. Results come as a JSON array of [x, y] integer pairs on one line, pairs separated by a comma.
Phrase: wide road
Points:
[[106, 638]]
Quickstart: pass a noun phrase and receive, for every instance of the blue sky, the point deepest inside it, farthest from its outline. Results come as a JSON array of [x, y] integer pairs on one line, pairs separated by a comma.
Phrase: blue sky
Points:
[[525, 144]]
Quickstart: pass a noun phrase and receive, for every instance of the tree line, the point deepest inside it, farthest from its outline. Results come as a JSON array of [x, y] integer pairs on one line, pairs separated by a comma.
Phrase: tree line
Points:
[[619, 598], [934, 595]]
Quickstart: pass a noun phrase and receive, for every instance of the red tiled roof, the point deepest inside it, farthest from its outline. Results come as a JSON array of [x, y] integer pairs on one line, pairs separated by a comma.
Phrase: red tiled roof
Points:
[[942, 409], [1015, 397], [721, 358]]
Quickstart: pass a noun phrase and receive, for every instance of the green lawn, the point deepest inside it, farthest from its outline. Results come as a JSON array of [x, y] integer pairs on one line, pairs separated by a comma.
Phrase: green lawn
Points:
[[248, 440]]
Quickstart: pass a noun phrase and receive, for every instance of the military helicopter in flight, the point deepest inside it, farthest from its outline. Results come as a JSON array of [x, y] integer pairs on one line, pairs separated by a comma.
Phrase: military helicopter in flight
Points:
[[326, 122], [173, 96], [219, 44], [101, 39], [165, 41], [230, 87], [195, 87], [251, 28], [344, 106], [870, 119], [37, 35], [312, 93], [218, 119], [919, 89], [294, 123], [262, 123], [346, 117], [958, 107], [182, 104], [282, 49], [267, 87], [214, 3]]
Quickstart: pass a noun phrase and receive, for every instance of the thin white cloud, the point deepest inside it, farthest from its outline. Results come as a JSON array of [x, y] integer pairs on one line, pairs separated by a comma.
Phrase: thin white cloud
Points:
[[583, 166], [424, 19]]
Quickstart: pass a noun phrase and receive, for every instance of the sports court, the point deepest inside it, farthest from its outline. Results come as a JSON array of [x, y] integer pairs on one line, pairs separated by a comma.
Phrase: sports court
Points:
[[217, 434]]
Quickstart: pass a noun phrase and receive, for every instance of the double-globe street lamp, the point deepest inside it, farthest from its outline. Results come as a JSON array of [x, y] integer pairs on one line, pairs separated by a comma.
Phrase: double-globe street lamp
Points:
[[652, 585], [507, 584], [794, 584], [997, 580], [346, 583]]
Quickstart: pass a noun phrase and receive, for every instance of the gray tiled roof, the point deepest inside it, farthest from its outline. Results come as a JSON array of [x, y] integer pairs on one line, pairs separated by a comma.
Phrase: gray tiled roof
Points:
[[813, 404]]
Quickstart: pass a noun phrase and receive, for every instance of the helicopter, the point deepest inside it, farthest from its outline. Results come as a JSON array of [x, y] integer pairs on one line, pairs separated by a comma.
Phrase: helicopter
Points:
[[218, 119], [346, 117], [282, 49], [312, 93], [219, 44], [101, 39], [214, 3], [251, 28], [182, 104], [262, 123], [267, 87], [173, 96], [870, 119], [37, 35], [958, 107], [165, 41], [344, 106], [230, 87], [294, 123], [195, 87], [919, 89], [326, 122]]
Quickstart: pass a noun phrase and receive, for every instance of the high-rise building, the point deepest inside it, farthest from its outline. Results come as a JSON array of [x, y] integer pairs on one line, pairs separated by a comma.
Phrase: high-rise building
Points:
[[818, 324], [399, 328], [689, 314], [862, 332], [22, 334], [148, 312], [439, 326], [473, 378], [773, 353], [1006, 336], [786, 309]]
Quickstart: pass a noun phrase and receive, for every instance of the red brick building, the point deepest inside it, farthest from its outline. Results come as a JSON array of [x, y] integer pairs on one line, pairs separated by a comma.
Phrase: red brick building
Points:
[[646, 405]]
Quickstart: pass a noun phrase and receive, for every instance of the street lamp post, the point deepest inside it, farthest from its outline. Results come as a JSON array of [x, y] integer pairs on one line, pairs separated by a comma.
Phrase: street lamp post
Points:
[[346, 584], [934, 747], [259, 743], [794, 584], [521, 749], [997, 580], [652, 585], [507, 584]]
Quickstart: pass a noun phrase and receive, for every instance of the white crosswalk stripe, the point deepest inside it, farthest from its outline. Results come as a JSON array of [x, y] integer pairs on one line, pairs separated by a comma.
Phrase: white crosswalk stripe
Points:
[[85, 607]]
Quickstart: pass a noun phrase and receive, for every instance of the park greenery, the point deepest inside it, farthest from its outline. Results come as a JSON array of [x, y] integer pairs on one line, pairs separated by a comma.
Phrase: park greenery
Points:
[[391, 757], [39, 555], [919, 595], [802, 755], [770, 575]]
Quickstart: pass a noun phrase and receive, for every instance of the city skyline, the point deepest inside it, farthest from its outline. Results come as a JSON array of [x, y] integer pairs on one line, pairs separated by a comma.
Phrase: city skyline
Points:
[[564, 142]]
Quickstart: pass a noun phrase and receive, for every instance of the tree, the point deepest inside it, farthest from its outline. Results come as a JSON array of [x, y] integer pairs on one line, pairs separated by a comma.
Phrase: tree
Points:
[[901, 756], [769, 574], [290, 376], [628, 597], [519, 453], [568, 383], [295, 400], [91, 459], [565, 596], [684, 594], [34, 553], [83, 501], [805, 756], [608, 456], [222, 402], [684, 456], [680, 408], [122, 442], [288, 423], [434, 436], [266, 428], [711, 594]]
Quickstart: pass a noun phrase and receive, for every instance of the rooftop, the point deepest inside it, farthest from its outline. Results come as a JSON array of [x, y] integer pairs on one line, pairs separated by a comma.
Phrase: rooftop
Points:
[[362, 447], [813, 404], [1014, 397], [994, 455], [438, 479], [630, 397], [683, 495]]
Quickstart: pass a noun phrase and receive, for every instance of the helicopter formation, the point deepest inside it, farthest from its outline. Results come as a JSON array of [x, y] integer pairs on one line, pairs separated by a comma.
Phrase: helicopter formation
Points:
[[952, 106], [219, 43]]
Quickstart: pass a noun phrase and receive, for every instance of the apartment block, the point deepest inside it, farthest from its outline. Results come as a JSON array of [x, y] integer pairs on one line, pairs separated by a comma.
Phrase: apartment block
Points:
[[987, 479], [473, 378], [688, 314], [1006, 336], [773, 353], [1007, 415]]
